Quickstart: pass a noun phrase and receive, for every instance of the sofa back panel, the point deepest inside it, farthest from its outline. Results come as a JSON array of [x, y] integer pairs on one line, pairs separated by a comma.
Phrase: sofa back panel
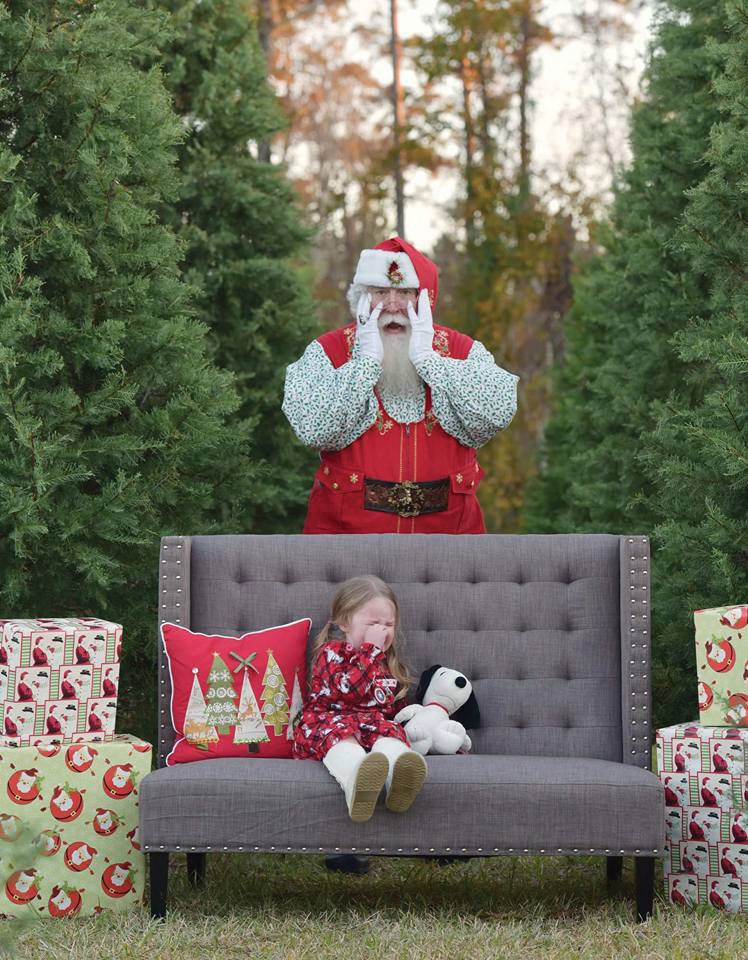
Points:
[[533, 620]]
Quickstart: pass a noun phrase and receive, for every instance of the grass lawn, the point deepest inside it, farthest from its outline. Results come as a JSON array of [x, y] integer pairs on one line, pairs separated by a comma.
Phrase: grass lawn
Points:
[[288, 907]]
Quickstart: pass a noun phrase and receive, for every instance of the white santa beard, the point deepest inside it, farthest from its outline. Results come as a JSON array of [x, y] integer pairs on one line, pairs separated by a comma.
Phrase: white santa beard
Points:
[[398, 377]]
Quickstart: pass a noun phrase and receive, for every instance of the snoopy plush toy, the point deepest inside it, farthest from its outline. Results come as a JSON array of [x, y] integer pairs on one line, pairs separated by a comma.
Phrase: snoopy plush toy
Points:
[[445, 707]]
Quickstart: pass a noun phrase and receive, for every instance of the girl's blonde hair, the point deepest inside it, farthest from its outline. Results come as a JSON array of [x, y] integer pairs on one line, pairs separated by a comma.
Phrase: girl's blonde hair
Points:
[[350, 597]]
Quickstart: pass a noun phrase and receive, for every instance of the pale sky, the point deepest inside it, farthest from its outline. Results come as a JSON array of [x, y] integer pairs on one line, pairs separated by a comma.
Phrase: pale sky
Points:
[[560, 85]]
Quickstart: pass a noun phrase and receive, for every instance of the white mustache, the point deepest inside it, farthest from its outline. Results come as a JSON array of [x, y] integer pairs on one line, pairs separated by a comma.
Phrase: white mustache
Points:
[[400, 318]]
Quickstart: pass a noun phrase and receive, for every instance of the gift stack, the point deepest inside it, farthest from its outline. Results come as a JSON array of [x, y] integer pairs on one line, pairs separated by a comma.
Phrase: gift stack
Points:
[[703, 768], [58, 680], [69, 827], [69, 785]]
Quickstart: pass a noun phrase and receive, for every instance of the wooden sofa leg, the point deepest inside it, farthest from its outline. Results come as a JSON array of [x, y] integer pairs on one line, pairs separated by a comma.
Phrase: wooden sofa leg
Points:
[[159, 863], [644, 873], [196, 868], [614, 869]]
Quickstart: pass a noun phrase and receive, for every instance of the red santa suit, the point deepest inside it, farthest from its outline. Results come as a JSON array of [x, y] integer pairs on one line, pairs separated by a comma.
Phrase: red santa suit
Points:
[[53, 724], [413, 469], [352, 695], [94, 721], [38, 655], [346, 496]]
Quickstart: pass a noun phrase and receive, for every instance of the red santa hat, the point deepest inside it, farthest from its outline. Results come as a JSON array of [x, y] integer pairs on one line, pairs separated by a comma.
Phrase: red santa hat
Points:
[[395, 263]]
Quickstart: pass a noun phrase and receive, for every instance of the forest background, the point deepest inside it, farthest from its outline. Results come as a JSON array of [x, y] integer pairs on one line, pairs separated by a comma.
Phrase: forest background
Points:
[[186, 187]]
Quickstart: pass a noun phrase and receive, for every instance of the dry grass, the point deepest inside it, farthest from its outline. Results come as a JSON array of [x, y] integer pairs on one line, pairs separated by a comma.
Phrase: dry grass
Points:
[[288, 907]]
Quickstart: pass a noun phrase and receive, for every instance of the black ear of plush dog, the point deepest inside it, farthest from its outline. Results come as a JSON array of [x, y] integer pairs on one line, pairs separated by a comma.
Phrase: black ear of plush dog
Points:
[[423, 683], [468, 714]]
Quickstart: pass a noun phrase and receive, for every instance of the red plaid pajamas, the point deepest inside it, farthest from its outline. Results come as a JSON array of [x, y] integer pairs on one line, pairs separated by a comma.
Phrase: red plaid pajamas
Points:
[[352, 695]]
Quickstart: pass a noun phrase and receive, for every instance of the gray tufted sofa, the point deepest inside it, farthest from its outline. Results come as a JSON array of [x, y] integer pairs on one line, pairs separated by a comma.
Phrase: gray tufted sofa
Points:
[[552, 629]]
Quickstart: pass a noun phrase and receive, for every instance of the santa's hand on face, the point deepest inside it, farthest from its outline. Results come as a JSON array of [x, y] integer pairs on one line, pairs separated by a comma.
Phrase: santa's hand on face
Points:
[[397, 406], [421, 345], [368, 337]]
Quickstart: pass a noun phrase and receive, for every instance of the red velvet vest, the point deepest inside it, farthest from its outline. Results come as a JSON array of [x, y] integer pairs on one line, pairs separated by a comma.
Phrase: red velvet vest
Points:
[[395, 451]]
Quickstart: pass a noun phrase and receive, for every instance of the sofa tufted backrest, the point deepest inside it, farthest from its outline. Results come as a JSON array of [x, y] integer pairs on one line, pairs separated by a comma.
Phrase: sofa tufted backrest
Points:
[[552, 629]]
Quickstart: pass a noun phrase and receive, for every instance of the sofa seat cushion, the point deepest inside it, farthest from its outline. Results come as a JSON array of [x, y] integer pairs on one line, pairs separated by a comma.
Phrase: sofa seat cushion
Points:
[[475, 803]]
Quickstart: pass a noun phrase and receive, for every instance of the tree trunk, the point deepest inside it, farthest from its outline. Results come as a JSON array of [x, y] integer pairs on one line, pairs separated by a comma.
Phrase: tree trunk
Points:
[[466, 76], [265, 24], [397, 102], [524, 137]]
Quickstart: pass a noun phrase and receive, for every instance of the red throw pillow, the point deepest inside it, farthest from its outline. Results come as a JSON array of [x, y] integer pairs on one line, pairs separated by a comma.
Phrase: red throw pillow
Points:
[[235, 696]]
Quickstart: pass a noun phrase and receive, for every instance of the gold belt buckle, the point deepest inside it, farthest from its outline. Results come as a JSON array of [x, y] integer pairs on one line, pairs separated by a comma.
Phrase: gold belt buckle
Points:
[[406, 498]]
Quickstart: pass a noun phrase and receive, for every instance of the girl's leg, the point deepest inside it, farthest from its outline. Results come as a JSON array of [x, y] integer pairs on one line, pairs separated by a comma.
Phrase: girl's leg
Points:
[[407, 772], [360, 774]]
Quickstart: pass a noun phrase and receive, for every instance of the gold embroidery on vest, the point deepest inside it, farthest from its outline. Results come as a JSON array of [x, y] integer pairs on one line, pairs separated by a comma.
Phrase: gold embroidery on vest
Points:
[[429, 421], [441, 342], [350, 336], [382, 424]]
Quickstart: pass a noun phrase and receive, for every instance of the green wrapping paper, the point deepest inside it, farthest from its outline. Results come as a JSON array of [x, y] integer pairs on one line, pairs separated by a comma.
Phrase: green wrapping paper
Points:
[[722, 665], [69, 827]]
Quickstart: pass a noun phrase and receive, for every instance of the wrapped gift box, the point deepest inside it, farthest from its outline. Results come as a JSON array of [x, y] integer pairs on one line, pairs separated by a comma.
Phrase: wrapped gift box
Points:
[[703, 770], [58, 680], [722, 665], [69, 827]]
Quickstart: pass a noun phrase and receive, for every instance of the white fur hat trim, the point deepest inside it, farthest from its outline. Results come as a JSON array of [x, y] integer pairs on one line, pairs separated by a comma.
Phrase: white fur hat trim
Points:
[[375, 269]]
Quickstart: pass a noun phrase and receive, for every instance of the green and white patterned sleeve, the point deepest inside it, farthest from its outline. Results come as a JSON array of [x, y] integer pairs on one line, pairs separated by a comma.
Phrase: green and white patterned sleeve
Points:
[[329, 408], [473, 398]]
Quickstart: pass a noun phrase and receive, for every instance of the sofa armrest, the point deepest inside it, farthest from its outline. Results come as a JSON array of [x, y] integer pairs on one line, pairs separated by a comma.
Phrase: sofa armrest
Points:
[[173, 607], [636, 638]]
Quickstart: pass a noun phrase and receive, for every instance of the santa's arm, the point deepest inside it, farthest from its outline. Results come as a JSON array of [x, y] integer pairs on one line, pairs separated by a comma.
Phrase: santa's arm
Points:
[[329, 408], [473, 398]]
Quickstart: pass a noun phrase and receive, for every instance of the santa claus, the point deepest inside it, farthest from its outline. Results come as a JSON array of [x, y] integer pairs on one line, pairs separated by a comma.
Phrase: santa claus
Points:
[[397, 407]]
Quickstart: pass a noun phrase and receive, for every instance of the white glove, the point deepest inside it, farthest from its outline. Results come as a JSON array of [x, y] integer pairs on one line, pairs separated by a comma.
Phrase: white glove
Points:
[[422, 329], [367, 328]]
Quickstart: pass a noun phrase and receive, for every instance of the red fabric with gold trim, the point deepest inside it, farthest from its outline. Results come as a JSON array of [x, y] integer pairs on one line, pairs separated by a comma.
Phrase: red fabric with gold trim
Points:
[[395, 451]]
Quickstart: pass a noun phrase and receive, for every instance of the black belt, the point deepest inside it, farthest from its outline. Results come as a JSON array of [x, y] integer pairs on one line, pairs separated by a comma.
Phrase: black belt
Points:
[[408, 498]]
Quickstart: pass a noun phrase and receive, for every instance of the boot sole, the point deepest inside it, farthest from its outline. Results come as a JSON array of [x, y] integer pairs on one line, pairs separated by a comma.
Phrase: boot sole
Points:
[[408, 775], [370, 779]]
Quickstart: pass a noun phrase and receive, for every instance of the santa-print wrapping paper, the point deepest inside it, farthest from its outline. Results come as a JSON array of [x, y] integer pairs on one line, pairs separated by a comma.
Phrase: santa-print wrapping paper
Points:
[[69, 827], [722, 665], [59, 680], [703, 770]]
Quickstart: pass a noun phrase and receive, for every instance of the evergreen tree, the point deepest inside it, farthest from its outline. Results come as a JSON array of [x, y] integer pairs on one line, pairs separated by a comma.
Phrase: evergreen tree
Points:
[[629, 302], [698, 455], [275, 704], [250, 728], [631, 298], [113, 418], [197, 727], [507, 293], [239, 219], [221, 710]]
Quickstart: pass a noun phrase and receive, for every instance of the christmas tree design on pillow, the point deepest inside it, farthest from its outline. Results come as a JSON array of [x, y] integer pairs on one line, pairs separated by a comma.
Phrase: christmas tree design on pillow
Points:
[[230, 695]]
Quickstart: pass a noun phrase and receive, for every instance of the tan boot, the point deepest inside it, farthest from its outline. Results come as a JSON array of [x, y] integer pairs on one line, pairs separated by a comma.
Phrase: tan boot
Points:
[[360, 774], [362, 791], [407, 773]]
